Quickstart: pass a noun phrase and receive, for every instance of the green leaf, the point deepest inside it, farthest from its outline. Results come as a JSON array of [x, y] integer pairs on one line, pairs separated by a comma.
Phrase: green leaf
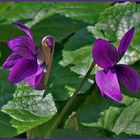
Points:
[[63, 82], [77, 51], [4, 52], [84, 133], [39, 10], [93, 105], [6, 128], [131, 123], [36, 133], [57, 19], [4, 33], [114, 22], [29, 111], [119, 118], [6, 88], [58, 26], [4, 7], [67, 133], [22, 11], [113, 119], [23, 89], [80, 10]]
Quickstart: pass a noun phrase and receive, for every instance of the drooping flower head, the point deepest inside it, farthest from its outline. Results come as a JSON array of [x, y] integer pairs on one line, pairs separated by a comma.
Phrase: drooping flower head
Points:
[[107, 56], [27, 63]]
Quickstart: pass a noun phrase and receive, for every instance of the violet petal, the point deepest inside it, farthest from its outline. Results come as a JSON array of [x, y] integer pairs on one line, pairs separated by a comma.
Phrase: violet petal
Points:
[[34, 80], [128, 77], [104, 53], [125, 42], [22, 69], [22, 46], [108, 84], [10, 61], [28, 32], [25, 29]]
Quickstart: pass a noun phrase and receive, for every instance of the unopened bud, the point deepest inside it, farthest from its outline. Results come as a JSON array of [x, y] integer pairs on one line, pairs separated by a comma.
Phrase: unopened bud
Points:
[[48, 41]]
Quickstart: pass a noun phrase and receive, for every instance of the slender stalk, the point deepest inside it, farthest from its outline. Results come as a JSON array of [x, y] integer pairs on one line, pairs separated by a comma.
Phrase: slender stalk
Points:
[[49, 68], [69, 103]]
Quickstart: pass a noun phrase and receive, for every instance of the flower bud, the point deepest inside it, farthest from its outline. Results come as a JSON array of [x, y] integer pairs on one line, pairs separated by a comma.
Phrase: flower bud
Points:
[[48, 41]]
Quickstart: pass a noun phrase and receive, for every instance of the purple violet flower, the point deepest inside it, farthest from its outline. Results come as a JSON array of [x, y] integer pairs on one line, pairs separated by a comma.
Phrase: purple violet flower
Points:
[[27, 62], [107, 56]]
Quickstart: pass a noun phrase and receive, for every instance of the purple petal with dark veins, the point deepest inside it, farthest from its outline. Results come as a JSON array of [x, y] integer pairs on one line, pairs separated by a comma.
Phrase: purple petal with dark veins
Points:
[[28, 32], [104, 53], [128, 77], [22, 46], [108, 84], [125, 42], [34, 80], [25, 29], [23, 69], [39, 76], [11, 61]]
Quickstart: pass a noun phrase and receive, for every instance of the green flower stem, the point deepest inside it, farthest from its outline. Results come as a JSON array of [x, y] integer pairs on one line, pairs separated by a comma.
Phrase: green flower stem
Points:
[[69, 103]]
